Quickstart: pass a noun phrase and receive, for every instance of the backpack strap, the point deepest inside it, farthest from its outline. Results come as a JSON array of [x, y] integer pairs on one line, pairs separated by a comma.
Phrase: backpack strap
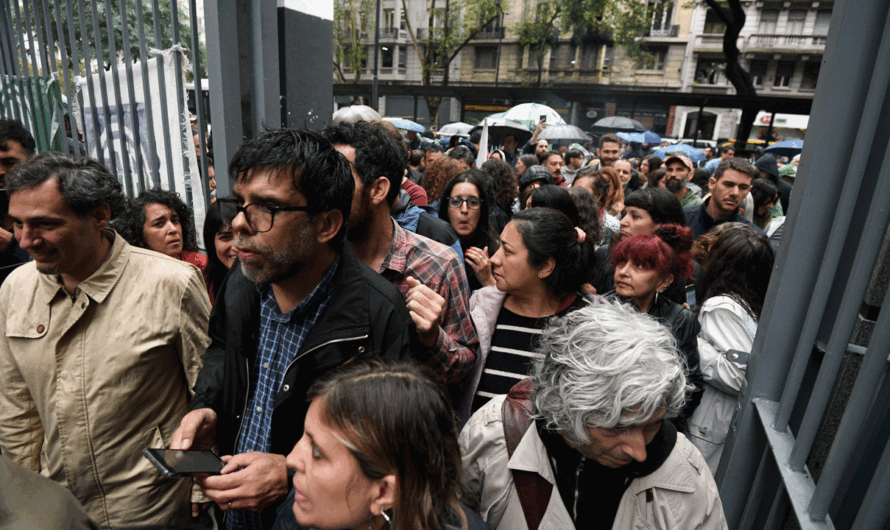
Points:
[[534, 491]]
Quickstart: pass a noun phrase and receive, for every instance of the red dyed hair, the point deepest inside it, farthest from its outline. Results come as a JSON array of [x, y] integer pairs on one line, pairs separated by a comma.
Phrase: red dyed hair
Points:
[[667, 251]]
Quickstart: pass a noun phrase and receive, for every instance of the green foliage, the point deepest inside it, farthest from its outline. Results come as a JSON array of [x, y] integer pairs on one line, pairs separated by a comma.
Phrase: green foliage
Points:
[[82, 14], [352, 20], [621, 22]]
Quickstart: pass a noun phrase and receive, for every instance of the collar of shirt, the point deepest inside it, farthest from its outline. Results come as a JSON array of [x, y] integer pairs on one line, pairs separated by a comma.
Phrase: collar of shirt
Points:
[[101, 282], [396, 259], [311, 303]]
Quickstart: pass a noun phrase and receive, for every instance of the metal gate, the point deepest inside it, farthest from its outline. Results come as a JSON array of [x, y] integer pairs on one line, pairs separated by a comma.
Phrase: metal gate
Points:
[[839, 216], [114, 51]]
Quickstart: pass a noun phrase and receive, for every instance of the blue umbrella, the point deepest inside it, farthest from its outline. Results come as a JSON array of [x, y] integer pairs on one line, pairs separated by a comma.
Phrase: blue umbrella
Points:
[[692, 153], [647, 137], [407, 125], [787, 148]]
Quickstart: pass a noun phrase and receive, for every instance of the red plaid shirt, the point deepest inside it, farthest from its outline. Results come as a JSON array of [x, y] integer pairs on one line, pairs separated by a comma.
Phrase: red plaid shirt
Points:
[[439, 268]]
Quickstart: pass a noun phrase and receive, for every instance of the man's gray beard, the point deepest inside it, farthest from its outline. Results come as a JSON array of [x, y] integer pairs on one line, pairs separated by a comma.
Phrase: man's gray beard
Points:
[[282, 264], [676, 185]]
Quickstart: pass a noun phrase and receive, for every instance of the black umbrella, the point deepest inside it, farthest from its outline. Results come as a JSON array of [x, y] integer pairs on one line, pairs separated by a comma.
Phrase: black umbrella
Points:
[[500, 127], [614, 124]]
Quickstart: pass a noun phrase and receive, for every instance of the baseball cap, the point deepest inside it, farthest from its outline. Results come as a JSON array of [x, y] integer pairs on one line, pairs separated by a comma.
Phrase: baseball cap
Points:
[[681, 158]]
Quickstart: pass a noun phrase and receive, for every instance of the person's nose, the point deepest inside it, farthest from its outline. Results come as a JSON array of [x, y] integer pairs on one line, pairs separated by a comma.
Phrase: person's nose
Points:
[[633, 444], [27, 237], [240, 225], [623, 269], [464, 207], [295, 459]]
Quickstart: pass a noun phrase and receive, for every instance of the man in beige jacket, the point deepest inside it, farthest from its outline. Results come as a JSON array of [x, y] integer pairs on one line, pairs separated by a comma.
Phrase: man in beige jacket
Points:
[[100, 343]]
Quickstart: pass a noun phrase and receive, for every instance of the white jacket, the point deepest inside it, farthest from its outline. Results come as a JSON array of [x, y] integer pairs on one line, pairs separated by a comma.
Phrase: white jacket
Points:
[[679, 494], [725, 326]]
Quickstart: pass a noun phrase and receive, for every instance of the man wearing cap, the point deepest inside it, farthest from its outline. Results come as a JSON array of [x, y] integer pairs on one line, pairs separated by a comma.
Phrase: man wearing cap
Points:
[[728, 187], [534, 177], [678, 168]]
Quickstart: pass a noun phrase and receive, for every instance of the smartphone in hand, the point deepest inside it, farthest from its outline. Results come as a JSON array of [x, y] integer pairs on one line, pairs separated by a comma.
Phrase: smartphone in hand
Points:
[[178, 463]]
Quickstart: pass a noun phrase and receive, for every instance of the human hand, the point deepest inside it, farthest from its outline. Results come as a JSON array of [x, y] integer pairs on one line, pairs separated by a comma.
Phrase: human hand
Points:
[[478, 260], [426, 307], [197, 430], [249, 481]]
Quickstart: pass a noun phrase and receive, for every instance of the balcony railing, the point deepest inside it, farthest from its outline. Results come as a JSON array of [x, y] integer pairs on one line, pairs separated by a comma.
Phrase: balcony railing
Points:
[[669, 31], [709, 41], [711, 89], [786, 41], [490, 33]]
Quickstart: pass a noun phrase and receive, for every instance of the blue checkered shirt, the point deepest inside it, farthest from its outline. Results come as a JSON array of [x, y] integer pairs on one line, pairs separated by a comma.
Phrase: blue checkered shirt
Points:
[[281, 337]]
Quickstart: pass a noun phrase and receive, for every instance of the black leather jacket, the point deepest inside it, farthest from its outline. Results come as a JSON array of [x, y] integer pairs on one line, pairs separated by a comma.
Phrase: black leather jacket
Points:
[[685, 328]]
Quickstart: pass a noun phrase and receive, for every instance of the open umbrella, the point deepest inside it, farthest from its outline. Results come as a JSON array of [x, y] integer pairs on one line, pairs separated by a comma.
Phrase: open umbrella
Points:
[[530, 114], [458, 128], [692, 153], [500, 127], [614, 124], [407, 125], [647, 137], [787, 148], [563, 134]]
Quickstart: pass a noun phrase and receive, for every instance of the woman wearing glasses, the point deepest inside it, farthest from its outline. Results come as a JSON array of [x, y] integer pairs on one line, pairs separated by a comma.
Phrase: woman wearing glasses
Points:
[[466, 206], [538, 271]]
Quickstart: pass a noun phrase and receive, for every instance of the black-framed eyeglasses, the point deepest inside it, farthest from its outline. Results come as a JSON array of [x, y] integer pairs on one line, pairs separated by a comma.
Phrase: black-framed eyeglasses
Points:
[[473, 203], [260, 217]]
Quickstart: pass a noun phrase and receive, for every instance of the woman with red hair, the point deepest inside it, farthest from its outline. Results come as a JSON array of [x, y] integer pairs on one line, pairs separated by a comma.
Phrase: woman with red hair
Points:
[[645, 265]]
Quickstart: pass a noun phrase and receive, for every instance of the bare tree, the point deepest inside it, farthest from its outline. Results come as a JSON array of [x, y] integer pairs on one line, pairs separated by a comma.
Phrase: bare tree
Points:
[[733, 16]]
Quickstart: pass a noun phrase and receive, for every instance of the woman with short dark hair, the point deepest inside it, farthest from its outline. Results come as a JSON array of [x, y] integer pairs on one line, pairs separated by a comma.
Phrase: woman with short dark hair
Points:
[[219, 238]]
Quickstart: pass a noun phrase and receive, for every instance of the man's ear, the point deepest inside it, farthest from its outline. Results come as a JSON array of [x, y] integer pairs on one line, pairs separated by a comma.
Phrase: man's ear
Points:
[[101, 215], [383, 494], [712, 183], [378, 190], [329, 224]]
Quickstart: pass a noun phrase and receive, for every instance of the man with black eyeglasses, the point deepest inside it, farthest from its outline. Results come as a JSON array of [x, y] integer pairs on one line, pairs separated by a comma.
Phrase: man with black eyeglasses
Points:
[[296, 304]]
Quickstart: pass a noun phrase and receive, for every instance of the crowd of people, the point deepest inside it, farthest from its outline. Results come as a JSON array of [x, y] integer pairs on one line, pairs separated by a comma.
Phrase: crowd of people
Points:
[[381, 336]]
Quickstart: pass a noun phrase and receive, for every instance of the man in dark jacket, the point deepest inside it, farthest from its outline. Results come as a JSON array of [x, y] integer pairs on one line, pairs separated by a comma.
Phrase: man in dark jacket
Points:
[[297, 304], [769, 169], [729, 186]]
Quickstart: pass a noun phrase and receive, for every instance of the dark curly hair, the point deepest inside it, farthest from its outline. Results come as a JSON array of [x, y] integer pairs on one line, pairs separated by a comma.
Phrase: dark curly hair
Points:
[[504, 182], [132, 225]]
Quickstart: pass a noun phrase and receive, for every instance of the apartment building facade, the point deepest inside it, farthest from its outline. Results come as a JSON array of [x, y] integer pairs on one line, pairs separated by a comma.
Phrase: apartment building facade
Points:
[[781, 44]]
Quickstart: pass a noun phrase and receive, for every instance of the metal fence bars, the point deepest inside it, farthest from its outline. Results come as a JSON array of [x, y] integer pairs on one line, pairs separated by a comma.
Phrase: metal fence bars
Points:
[[833, 237], [106, 78]]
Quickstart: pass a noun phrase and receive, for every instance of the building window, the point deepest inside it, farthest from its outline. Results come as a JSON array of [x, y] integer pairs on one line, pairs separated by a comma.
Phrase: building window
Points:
[[486, 57], [519, 61], [796, 19], [768, 19], [654, 59], [661, 15], [589, 55], [713, 24], [386, 55], [710, 72], [389, 19], [810, 75], [758, 71], [823, 18], [403, 57], [784, 72], [607, 58]]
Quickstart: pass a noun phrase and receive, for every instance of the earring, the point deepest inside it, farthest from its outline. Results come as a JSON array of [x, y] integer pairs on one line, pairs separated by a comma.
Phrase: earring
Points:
[[387, 519]]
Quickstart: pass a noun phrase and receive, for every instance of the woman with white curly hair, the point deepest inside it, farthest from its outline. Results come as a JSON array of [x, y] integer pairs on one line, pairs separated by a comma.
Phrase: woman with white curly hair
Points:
[[593, 421]]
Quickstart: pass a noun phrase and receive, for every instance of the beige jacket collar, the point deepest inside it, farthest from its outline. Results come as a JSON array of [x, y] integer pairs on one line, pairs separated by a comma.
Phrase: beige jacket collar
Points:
[[101, 282]]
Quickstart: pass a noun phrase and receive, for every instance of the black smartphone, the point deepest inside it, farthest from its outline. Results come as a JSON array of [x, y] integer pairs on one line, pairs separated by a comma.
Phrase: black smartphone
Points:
[[543, 118], [177, 463], [690, 296]]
